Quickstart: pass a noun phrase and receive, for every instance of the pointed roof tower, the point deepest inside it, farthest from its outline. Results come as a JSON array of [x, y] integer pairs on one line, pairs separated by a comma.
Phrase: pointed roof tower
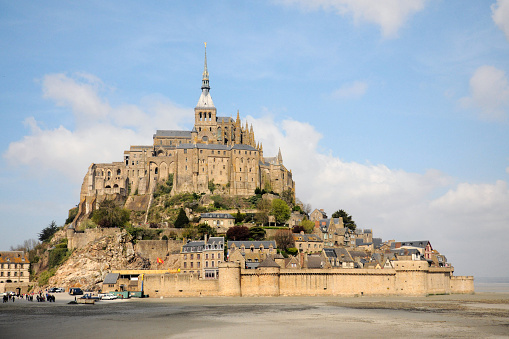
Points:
[[279, 156], [205, 100]]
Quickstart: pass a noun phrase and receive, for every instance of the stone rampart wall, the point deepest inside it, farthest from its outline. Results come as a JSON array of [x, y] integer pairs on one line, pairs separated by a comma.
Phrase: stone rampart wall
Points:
[[408, 278], [179, 285], [153, 249], [81, 239], [462, 284], [337, 282]]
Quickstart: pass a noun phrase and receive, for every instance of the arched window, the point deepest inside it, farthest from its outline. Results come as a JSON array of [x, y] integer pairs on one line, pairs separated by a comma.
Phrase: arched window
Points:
[[210, 115], [200, 115], [155, 170], [119, 171]]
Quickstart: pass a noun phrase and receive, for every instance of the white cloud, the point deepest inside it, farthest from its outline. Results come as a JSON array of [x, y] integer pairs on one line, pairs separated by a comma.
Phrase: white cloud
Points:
[[489, 90], [390, 15], [101, 134], [396, 204], [500, 15], [354, 90]]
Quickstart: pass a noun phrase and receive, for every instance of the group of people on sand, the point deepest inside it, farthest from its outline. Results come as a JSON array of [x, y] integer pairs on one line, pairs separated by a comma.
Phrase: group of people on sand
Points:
[[29, 297]]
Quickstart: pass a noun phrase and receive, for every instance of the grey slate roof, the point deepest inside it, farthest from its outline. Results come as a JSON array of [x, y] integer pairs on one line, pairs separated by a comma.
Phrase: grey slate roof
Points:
[[111, 278], [217, 215], [204, 146], [330, 252], [314, 261], [244, 147], [343, 255], [170, 133], [224, 119], [255, 243], [268, 262], [198, 246]]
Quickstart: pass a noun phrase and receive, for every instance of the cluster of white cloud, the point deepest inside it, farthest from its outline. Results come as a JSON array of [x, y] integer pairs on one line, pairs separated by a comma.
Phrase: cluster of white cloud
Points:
[[489, 87], [354, 90], [390, 15], [101, 132], [500, 15], [489, 90]]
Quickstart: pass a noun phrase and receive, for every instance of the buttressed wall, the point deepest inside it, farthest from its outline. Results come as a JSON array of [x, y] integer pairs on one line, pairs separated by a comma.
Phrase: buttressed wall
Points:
[[407, 278]]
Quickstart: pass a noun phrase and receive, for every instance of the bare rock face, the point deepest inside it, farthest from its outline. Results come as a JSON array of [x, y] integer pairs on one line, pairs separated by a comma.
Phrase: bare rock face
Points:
[[87, 266]]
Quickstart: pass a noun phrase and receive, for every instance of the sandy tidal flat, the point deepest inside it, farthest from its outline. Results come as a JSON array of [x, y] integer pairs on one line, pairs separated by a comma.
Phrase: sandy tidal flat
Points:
[[483, 315]]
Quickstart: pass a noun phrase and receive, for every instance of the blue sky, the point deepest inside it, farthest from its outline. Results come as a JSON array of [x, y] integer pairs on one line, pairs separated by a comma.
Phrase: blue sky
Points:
[[396, 110]]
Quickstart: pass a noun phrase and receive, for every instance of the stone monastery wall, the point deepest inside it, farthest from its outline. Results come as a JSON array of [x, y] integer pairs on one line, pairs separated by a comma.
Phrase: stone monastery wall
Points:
[[408, 278]]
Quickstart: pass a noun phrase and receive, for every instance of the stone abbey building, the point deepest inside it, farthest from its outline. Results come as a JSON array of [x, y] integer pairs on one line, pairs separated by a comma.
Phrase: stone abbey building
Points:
[[218, 151]]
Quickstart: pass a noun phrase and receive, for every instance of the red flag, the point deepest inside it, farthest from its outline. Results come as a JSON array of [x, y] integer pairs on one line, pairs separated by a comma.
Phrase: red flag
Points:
[[160, 261]]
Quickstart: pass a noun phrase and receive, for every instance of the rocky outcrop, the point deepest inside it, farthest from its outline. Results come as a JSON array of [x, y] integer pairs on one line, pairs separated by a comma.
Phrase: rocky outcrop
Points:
[[87, 266]]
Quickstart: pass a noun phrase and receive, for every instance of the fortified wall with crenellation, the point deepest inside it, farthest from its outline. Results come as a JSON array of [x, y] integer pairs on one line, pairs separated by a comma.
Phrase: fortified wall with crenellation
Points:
[[410, 278]]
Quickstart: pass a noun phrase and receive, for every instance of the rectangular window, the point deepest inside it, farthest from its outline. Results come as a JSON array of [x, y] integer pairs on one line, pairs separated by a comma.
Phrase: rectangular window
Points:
[[192, 256], [192, 264], [212, 255], [198, 256], [185, 264], [206, 256], [198, 264], [212, 263]]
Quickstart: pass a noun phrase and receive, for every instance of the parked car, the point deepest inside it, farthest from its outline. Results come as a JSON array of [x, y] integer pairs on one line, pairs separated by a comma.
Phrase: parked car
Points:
[[75, 291], [52, 290], [90, 296], [60, 290], [108, 296]]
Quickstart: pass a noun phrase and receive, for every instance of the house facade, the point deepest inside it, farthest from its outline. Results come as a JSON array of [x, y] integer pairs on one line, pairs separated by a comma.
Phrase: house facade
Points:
[[202, 257]]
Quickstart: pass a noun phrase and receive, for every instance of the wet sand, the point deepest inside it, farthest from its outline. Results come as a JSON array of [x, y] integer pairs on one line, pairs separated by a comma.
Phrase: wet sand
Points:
[[482, 315]]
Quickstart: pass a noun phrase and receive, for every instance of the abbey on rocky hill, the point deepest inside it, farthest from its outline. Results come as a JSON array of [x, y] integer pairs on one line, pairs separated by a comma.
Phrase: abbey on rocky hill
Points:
[[217, 154]]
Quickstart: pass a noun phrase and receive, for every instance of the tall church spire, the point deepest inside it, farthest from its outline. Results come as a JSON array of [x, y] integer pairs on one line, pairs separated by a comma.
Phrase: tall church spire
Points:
[[205, 79]]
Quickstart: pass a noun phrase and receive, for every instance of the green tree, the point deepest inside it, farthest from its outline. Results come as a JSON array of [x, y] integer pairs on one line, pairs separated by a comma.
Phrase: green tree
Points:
[[203, 229], [182, 219], [110, 215], [308, 225], [347, 219], [239, 217], [212, 186], [48, 232], [280, 210], [257, 233]]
